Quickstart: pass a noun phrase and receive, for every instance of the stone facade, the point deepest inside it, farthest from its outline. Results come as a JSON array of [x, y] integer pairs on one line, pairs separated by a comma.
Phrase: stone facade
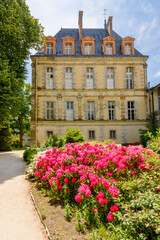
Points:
[[100, 111]]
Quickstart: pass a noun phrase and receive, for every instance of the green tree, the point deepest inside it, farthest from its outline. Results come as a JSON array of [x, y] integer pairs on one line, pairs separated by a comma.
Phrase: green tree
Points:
[[20, 124], [19, 32]]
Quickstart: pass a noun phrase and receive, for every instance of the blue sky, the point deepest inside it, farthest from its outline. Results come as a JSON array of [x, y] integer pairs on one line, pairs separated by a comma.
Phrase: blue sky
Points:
[[136, 18]]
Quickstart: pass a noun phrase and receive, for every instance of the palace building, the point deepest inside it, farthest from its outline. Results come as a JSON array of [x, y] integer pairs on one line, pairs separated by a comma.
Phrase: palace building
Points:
[[92, 79]]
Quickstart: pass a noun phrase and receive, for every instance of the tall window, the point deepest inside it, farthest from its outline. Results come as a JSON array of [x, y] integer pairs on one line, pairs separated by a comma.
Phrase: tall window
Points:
[[110, 78], [131, 110], [49, 110], [69, 111], [68, 78], [88, 49], [91, 109], [128, 49], [112, 134], [129, 78], [49, 48], [68, 48], [109, 49], [111, 110], [91, 134], [89, 78], [49, 78], [159, 98]]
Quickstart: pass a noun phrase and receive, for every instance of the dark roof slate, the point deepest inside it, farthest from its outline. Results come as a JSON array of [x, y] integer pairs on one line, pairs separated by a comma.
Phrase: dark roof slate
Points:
[[98, 34]]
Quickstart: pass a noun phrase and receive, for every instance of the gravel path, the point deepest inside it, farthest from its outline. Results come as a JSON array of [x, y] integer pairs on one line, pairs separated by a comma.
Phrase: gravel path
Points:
[[18, 218]]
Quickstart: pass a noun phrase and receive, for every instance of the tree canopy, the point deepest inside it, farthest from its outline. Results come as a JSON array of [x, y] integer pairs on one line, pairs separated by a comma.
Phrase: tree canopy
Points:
[[19, 32]]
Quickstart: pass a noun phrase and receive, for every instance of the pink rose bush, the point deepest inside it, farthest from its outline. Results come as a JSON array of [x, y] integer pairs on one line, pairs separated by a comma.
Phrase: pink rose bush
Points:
[[91, 176]]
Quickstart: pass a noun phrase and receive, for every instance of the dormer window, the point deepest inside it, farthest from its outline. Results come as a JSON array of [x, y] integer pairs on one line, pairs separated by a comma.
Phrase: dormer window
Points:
[[128, 49], [127, 45], [109, 49], [50, 45], [88, 49], [68, 48], [88, 45], [50, 48], [108, 45], [68, 45]]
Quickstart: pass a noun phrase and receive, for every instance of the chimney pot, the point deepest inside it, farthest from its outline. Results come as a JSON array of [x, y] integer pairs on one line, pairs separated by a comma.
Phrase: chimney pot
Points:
[[109, 26], [80, 24]]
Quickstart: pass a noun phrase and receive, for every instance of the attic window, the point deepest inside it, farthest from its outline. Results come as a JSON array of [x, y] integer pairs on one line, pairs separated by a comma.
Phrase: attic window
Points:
[[128, 49], [109, 49], [88, 49], [68, 48], [50, 48], [50, 45]]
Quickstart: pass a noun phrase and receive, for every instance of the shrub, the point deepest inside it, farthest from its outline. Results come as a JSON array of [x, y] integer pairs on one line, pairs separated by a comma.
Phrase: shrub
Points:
[[51, 141], [144, 136], [54, 141], [112, 185], [154, 142], [74, 135], [15, 142], [29, 154]]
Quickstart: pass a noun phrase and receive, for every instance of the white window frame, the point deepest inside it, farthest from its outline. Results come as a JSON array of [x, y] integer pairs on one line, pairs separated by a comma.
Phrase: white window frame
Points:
[[88, 49], [91, 134], [110, 78], [49, 111], [131, 110], [128, 49], [111, 110], [112, 134], [129, 78], [49, 78], [68, 78], [69, 111], [68, 48], [109, 49], [91, 110], [89, 78], [49, 48]]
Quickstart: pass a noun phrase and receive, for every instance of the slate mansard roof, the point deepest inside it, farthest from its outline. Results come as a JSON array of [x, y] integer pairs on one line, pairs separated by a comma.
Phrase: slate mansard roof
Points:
[[98, 34]]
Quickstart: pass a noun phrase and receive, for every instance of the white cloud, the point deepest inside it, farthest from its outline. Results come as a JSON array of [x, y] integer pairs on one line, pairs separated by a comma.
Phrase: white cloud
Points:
[[157, 74]]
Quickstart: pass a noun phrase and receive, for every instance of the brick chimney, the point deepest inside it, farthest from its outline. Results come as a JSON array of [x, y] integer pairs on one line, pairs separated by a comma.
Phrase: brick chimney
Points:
[[109, 26], [80, 24]]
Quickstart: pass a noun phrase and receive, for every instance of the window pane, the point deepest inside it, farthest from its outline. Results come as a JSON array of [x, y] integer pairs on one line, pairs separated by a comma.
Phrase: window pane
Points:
[[69, 111], [68, 48], [109, 49], [128, 49], [49, 48], [91, 113], [88, 49], [110, 78], [131, 111], [129, 78]]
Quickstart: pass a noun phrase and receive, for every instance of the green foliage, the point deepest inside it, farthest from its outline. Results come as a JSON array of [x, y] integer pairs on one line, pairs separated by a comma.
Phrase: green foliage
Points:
[[15, 142], [144, 136], [19, 32], [74, 135], [29, 154], [5, 139], [53, 141], [60, 142], [154, 142]]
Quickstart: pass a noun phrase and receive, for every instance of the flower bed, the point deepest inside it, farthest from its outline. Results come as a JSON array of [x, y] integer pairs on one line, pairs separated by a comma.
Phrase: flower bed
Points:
[[106, 185]]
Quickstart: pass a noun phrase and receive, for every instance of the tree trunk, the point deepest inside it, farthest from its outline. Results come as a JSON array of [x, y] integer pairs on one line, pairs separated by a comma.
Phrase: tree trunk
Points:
[[21, 131]]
